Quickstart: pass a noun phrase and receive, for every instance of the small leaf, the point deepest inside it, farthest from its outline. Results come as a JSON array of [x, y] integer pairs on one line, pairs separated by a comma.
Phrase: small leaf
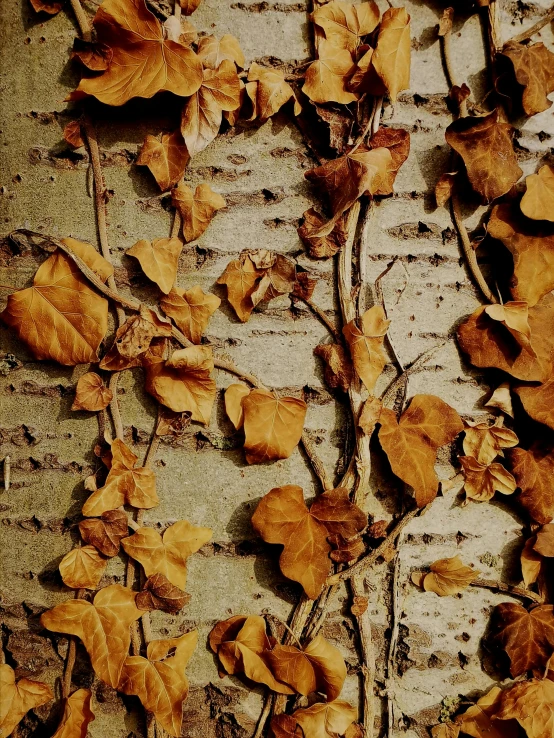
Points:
[[338, 367], [321, 247], [241, 277], [544, 544], [52, 7], [483, 480], [531, 562], [326, 720], [82, 568], [344, 24], [369, 417], [485, 442], [72, 134], [391, 58], [538, 201], [106, 532], [77, 715], [326, 80], [449, 576], [91, 393], [527, 637], [444, 188], [17, 698], [272, 91], [158, 260], [272, 426], [534, 70], [213, 51], [197, 209], [191, 310], [366, 345], [501, 398], [159, 594], [234, 395], [189, 6], [166, 157]]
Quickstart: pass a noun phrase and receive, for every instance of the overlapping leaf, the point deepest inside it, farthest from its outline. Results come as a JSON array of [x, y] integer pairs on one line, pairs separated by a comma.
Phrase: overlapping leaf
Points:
[[344, 24], [338, 366], [17, 698], [532, 705], [213, 51], [479, 720], [485, 442], [534, 471], [321, 247], [133, 339], [481, 481], [534, 70], [166, 157], [197, 208], [158, 593], [391, 58], [448, 577], [325, 720], [366, 345], [269, 92], [538, 401], [77, 715], [158, 260], [327, 78], [527, 637], [105, 532], [191, 310], [538, 201]]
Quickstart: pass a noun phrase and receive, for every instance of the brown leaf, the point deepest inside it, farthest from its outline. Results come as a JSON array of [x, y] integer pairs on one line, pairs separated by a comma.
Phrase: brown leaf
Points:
[[133, 339], [197, 208], [189, 6], [344, 24], [160, 682], [449, 576], [72, 134], [366, 345], [391, 58], [203, 113], [531, 562], [158, 260], [167, 554], [397, 141], [326, 720], [345, 550], [284, 726], [183, 382], [534, 70], [52, 7], [544, 544], [485, 145], [234, 395], [445, 730], [17, 698], [241, 277], [481, 481], [60, 317], [359, 606], [282, 517], [411, 443], [94, 56], [365, 77], [272, 91], [485, 442], [501, 398], [159, 594], [166, 157], [77, 715], [538, 201], [538, 402], [444, 188], [527, 637], [304, 286], [327, 79], [338, 367], [143, 61], [279, 276], [106, 532], [272, 425], [102, 626], [82, 568], [321, 247], [124, 484], [532, 247], [532, 705], [91, 394], [191, 310], [479, 720], [213, 51], [534, 471], [369, 417]]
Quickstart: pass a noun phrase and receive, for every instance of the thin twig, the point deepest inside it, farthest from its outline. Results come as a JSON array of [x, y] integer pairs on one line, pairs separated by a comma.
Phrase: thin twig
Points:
[[318, 312], [535, 28], [315, 461], [445, 41], [393, 640], [71, 655], [392, 390], [114, 406], [82, 20], [264, 715], [509, 588], [368, 659]]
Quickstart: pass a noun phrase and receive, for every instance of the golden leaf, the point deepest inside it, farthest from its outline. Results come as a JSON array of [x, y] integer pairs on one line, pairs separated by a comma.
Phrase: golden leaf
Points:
[[158, 260], [538, 402], [321, 247], [531, 562], [391, 58], [479, 719], [485, 442], [272, 91], [527, 637], [133, 339], [77, 715], [449, 576], [272, 425], [544, 544], [369, 417], [366, 345], [397, 141], [102, 626], [91, 394], [534, 471], [481, 481], [241, 278], [344, 24], [338, 367], [327, 79], [234, 395], [532, 705], [167, 555], [326, 720], [166, 157], [106, 532], [538, 201], [191, 310], [82, 568], [17, 698], [197, 208], [534, 70], [501, 398], [443, 190], [213, 51]]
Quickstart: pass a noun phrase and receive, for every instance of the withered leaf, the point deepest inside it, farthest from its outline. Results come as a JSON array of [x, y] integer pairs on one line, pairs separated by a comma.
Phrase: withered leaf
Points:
[[345, 550], [167, 554], [532, 247], [91, 393], [272, 90], [479, 720], [272, 425], [183, 382], [102, 626], [391, 58], [534, 71], [94, 56], [321, 247], [397, 141], [481, 481], [366, 345], [445, 730], [82, 568], [143, 61], [160, 682], [197, 208], [444, 188], [527, 637], [364, 78], [538, 201], [191, 310], [449, 576], [544, 544], [17, 698], [189, 6], [158, 260], [124, 484], [338, 367], [77, 715], [411, 443], [279, 275], [534, 471], [166, 157], [241, 277], [531, 562], [106, 532], [501, 398], [532, 705], [538, 402], [344, 24], [284, 726], [213, 51], [234, 395], [52, 7], [282, 517], [72, 134], [513, 315], [326, 79], [485, 145], [159, 594], [485, 442], [326, 720], [133, 339], [305, 285]]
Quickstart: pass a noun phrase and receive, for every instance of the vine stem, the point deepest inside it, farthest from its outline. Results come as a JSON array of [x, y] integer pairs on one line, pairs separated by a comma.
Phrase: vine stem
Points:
[[82, 20], [71, 655], [320, 314], [524, 35], [526, 594]]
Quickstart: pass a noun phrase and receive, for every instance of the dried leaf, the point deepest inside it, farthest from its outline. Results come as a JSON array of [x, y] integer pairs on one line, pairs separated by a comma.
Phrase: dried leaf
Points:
[[321, 247], [143, 61], [485, 145], [158, 260], [344, 24], [72, 134], [166, 157], [532, 247], [272, 91], [241, 278], [234, 395], [272, 425], [534, 71], [326, 80], [397, 141], [102, 626], [527, 637], [167, 554], [391, 58], [213, 51], [94, 56], [82, 568], [531, 562], [304, 286], [77, 715], [365, 77], [326, 720], [284, 726], [124, 484], [411, 443], [279, 275], [538, 402], [17, 698], [544, 544], [485, 442], [189, 6], [366, 345], [91, 394], [159, 594], [532, 705], [52, 7], [191, 310], [481, 481], [479, 720], [282, 517], [133, 339], [345, 550], [445, 730], [106, 532], [449, 576], [338, 367], [197, 208], [534, 471], [203, 113], [160, 682], [538, 201], [501, 398]]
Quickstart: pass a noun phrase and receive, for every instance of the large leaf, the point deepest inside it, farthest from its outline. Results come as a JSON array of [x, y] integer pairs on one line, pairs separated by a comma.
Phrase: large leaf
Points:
[[166, 157], [158, 260], [77, 716], [82, 568], [272, 425], [532, 705], [527, 637], [391, 58], [17, 698], [366, 345], [538, 201], [326, 720], [534, 71], [191, 310], [327, 78], [106, 532], [534, 472], [479, 720]]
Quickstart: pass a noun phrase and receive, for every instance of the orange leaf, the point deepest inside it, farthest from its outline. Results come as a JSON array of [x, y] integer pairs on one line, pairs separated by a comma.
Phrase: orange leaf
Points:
[[544, 544], [272, 91], [326, 720], [272, 426], [397, 141], [106, 532], [321, 247], [241, 277], [159, 594], [77, 715], [197, 208], [344, 24], [485, 442], [158, 260], [17, 698], [449, 577], [527, 637], [72, 134], [189, 6], [444, 188], [538, 201], [538, 402], [191, 310], [327, 79], [534, 471], [391, 58], [338, 367], [532, 705], [234, 395], [52, 7], [483, 480], [133, 339], [167, 158], [501, 399], [534, 70], [366, 345], [531, 562], [82, 568], [479, 720], [213, 51], [91, 394]]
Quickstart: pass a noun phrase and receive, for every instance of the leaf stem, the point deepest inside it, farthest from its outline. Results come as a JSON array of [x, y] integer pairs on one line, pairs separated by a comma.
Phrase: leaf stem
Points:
[[114, 406], [535, 28]]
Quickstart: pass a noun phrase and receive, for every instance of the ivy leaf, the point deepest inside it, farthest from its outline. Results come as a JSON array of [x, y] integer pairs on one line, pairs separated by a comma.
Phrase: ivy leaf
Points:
[[544, 544], [338, 367], [449, 577], [160, 682], [189, 6], [527, 637], [158, 260], [133, 339], [531, 562], [102, 626], [485, 145], [272, 425], [538, 201], [82, 568], [501, 399], [285, 726], [167, 554], [391, 58], [534, 471], [479, 720], [159, 594], [234, 395], [397, 141], [197, 208], [166, 157], [321, 247], [326, 79], [72, 134], [366, 345], [77, 715], [17, 698], [191, 310], [485, 442], [534, 70], [52, 7], [272, 91], [411, 443], [124, 484], [532, 705], [241, 277], [326, 720], [538, 402], [279, 275], [106, 532], [344, 24], [91, 393], [94, 56], [213, 51], [282, 517], [481, 481], [143, 61]]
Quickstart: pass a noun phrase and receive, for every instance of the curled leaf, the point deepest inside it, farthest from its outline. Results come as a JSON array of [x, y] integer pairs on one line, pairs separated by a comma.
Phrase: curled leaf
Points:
[[158, 260], [106, 532], [77, 715], [391, 58], [191, 310], [485, 442], [538, 201], [481, 481], [338, 367], [166, 157], [501, 398], [241, 277], [197, 208], [366, 345], [17, 698], [272, 90], [234, 395], [133, 339], [449, 577], [321, 247], [72, 134], [159, 594]]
